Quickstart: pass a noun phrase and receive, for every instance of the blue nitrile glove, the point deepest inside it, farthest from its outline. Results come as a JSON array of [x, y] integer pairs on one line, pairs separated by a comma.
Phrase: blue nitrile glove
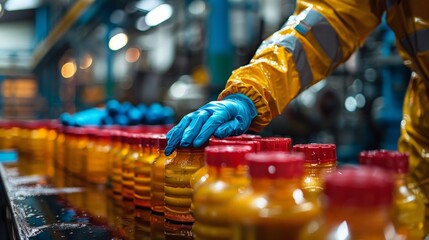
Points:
[[231, 116], [125, 107]]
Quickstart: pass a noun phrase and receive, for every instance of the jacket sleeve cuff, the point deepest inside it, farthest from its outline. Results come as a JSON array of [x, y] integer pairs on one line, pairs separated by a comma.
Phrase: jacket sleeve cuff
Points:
[[263, 113]]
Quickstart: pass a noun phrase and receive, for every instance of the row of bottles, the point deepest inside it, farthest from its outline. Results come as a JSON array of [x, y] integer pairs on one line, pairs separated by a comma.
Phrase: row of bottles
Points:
[[290, 195], [244, 187]]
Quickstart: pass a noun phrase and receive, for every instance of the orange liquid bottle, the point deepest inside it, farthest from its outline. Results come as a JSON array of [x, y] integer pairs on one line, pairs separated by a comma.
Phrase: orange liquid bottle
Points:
[[226, 179], [70, 142], [201, 175], [116, 148], [133, 155], [273, 206], [408, 208], [98, 147], [357, 206], [142, 170], [273, 144], [80, 153], [59, 147], [178, 191], [118, 158], [320, 159], [5, 136], [157, 176]]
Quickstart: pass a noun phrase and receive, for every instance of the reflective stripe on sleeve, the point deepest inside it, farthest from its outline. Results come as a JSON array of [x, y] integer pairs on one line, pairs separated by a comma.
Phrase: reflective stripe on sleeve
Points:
[[294, 46], [323, 32]]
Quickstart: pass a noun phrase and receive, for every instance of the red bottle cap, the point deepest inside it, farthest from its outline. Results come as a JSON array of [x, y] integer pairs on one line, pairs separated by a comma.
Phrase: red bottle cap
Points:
[[389, 160], [256, 145], [115, 135], [133, 138], [226, 156], [275, 165], [154, 139], [161, 141], [275, 144], [145, 139], [317, 153], [104, 135], [361, 186], [248, 137]]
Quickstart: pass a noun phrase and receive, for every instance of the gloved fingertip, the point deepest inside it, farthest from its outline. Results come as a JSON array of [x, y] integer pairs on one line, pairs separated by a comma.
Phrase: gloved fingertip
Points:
[[168, 151], [199, 142], [184, 144]]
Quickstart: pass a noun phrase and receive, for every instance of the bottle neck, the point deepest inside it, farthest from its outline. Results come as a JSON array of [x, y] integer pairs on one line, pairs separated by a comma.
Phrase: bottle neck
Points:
[[400, 179], [226, 173], [318, 168], [280, 188]]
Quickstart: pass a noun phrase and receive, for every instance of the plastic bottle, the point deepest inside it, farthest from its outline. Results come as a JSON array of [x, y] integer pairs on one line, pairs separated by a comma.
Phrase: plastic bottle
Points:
[[157, 176], [408, 208], [59, 147], [320, 159], [117, 167], [226, 179], [98, 147], [5, 138], [135, 152], [70, 142], [178, 191], [273, 206], [273, 144], [357, 206], [116, 148], [142, 170], [78, 147], [201, 175]]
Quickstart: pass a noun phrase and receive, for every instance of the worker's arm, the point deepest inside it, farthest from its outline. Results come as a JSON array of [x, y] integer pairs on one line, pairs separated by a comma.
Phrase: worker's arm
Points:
[[314, 41]]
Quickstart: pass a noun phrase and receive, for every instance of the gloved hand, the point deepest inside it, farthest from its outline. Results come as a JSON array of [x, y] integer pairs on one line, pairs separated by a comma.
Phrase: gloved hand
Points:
[[230, 116]]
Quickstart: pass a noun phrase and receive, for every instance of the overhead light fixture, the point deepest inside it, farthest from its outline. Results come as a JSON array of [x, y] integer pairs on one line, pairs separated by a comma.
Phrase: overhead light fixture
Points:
[[159, 15], [148, 5], [118, 41], [68, 69], [86, 62], [15, 5], [141, 24], [132, 55]]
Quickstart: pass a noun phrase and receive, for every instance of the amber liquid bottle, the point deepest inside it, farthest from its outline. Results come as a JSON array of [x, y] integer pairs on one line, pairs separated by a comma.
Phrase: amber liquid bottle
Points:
[[408, 208], [135, 152], [226, 179], [142, 170], [320, 159], [178, 191], [98, 148], [357, 206], [273, 206], [157, 176], [201, 175]]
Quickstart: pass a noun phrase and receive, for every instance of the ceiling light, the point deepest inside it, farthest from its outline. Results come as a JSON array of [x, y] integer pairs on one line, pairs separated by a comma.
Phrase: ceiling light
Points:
[[159, 15], [148, 5], [15, 5], [118, 41], [68, 69]]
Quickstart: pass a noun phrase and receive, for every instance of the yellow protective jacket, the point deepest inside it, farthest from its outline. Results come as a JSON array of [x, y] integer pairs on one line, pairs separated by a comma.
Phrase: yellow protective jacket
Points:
[[322, 34]]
